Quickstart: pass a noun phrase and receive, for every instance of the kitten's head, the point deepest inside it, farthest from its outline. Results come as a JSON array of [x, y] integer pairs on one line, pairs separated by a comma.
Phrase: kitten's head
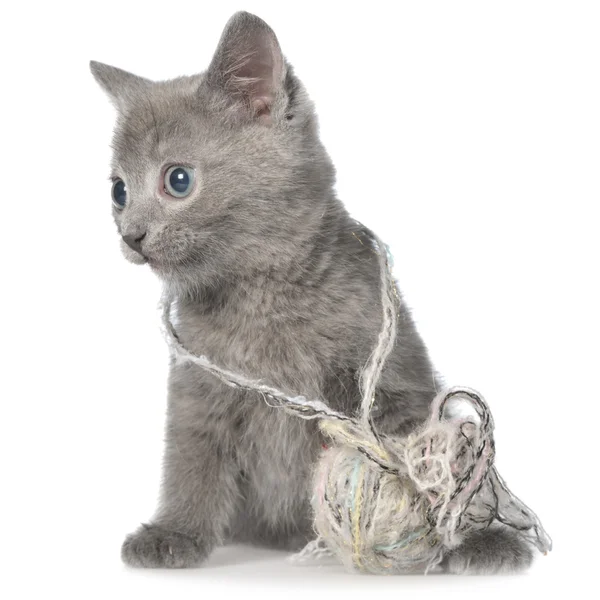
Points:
[[218, 173]]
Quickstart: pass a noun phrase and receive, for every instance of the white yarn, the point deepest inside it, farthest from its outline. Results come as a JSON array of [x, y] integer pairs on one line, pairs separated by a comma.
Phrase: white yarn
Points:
[[384, 504], [385, 341]]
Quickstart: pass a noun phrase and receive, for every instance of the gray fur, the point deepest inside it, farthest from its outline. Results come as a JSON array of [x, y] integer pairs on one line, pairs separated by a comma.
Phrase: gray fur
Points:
[[493, 550], [270, 278]]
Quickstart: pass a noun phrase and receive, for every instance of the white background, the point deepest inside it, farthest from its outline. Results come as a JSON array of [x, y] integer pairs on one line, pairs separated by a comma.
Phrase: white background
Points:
[[467, 134]]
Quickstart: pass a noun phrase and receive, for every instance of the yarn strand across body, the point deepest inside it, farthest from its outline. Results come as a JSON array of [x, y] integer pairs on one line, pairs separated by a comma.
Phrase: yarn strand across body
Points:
[[384, 504]]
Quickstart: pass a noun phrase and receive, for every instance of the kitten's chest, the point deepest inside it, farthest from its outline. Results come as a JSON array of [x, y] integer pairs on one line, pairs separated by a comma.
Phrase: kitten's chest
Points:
[[260, 342], [276, 455]]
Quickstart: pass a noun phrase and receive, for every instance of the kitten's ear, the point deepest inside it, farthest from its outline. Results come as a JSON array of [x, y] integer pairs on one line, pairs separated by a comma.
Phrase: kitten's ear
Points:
[[248, 64], [121, 86]]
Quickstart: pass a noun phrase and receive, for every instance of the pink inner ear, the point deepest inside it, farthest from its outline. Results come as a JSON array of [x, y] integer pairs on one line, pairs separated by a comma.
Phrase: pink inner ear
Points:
[[261, 108], [261, 105], [262, 68], [249, 64]]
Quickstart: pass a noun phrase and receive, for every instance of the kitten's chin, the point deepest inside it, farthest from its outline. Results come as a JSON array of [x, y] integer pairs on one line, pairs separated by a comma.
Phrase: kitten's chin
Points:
[[132, 256], [138, 260]]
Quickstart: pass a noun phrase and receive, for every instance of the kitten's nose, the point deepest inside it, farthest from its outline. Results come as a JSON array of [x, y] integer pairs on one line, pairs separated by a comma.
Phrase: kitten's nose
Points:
[[134, 240]]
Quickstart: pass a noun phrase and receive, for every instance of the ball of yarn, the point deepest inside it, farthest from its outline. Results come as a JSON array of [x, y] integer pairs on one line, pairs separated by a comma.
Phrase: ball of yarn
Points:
[[396, 504], [378, 502], [372, 520]]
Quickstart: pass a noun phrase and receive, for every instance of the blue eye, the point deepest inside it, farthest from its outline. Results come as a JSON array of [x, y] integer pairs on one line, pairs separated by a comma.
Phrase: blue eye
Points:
[[179, 181], [119, 193]]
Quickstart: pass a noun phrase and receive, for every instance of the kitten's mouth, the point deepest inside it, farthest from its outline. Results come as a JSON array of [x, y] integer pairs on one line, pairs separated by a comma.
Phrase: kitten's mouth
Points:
[[151, 262], [145, 259]]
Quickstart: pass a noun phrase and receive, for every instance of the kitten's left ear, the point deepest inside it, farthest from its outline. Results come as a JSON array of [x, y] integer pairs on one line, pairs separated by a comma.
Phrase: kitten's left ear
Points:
[[249, 65], [121, 86]]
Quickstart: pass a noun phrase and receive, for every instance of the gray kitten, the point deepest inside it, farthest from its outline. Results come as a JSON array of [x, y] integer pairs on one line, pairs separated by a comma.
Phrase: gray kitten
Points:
[[222, 186]]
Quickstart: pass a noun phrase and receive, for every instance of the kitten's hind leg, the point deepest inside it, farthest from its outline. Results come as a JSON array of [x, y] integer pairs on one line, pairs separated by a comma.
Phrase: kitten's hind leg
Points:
[[498, 549], [290, 534], [283, 538]]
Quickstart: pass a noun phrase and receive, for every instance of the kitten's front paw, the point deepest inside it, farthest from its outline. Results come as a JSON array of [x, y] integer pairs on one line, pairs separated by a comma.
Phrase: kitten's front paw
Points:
[[490, 551], [154, 547]]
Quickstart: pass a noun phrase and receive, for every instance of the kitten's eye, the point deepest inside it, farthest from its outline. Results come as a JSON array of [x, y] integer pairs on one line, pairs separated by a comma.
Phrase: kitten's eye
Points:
[[179, 181], [119, 193]]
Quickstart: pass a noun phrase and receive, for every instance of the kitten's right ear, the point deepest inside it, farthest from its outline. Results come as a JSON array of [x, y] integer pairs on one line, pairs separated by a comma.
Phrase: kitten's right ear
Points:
[[121, 86]]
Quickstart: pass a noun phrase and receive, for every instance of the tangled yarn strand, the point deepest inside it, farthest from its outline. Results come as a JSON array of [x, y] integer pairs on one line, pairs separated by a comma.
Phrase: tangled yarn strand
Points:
[[307, 409], [298, 405]]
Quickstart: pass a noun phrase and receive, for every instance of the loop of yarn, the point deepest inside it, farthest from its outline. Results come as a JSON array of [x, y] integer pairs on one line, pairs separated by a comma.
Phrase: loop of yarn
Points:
[[385, 504]]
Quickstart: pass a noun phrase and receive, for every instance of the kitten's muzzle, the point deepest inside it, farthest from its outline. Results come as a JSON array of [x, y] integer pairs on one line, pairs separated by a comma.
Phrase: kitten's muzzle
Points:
[[134, 241]]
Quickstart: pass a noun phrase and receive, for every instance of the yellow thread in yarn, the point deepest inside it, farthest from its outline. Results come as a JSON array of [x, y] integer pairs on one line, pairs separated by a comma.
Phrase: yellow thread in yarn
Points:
[[401, 504], [356, 511], [338, 431]]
